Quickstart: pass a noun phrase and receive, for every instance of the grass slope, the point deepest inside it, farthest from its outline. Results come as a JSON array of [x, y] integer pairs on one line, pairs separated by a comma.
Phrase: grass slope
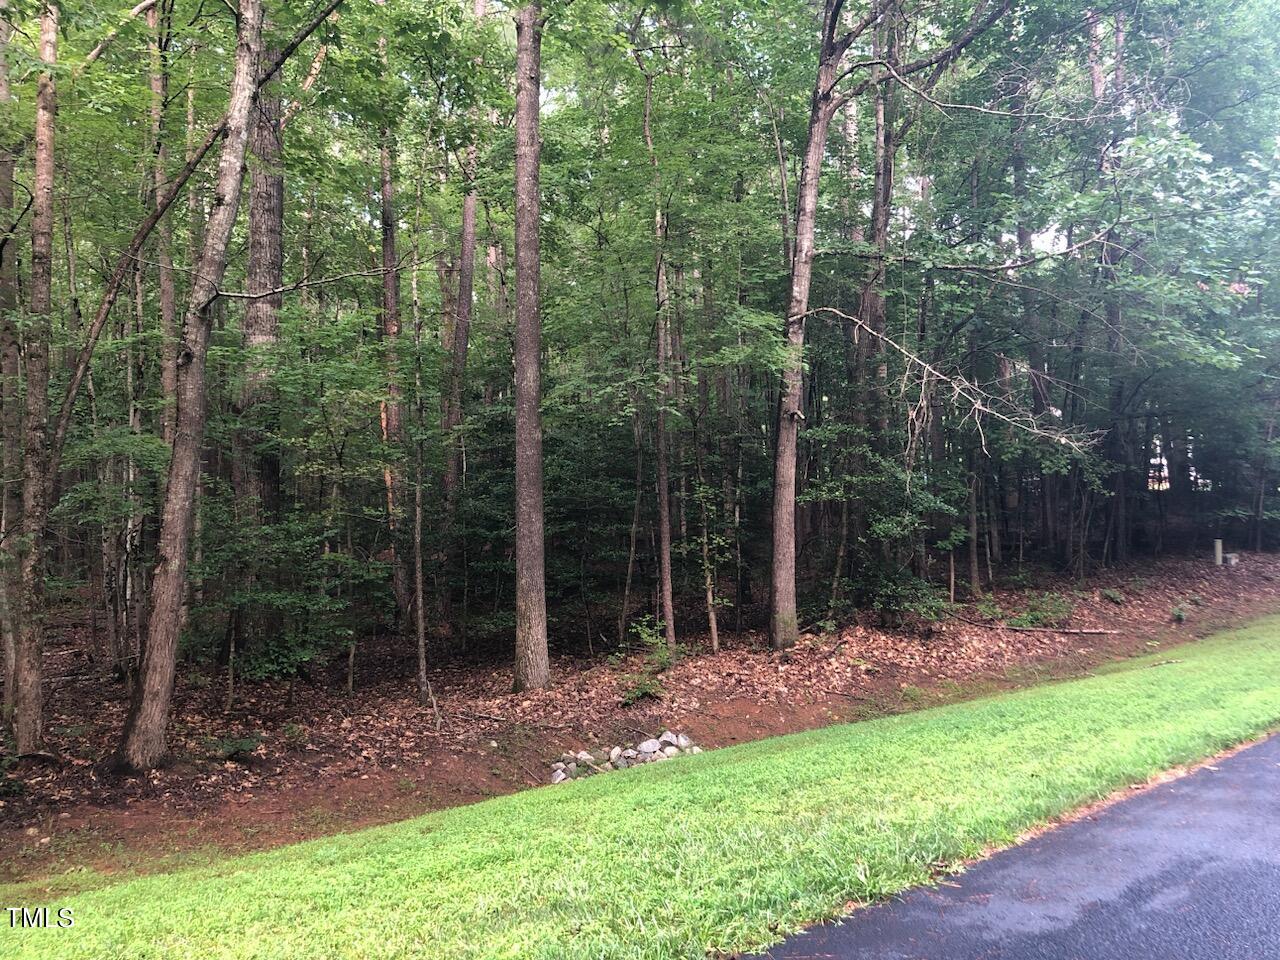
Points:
[[727, 850]]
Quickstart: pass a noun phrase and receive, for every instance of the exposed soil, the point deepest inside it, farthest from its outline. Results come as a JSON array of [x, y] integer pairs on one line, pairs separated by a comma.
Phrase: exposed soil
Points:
[[292, 761]]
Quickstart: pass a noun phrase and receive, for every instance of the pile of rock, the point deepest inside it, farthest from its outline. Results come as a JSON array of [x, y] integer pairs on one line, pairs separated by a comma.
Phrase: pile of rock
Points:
[[584, 763]]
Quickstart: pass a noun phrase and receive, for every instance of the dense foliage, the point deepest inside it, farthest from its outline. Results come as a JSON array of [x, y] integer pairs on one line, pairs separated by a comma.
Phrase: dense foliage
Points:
[[1039, 329]]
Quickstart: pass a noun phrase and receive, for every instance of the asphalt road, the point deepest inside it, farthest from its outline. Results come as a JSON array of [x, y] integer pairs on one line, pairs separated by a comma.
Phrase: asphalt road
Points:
[[1189, 870]]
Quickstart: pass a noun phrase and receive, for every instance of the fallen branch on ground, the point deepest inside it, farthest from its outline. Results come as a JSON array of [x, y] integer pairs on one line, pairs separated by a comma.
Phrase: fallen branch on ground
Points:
[[1081, 631]]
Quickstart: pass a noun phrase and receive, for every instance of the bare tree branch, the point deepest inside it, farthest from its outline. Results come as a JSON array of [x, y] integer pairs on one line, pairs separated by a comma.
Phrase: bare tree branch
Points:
[[966, 393], [305, 283]]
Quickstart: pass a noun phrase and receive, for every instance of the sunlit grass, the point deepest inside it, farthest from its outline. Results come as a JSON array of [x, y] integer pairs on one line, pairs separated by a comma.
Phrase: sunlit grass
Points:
[[723, 851]]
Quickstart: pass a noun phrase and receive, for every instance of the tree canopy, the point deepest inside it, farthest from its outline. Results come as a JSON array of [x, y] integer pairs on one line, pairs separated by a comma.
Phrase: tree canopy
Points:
[[829, 302]]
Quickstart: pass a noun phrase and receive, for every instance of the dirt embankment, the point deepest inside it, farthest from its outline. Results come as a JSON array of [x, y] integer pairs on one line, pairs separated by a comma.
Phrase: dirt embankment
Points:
[[295, 761]]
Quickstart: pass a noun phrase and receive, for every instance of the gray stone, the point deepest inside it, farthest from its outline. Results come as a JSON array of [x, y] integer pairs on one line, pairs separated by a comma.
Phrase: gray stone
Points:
[[572, 769], [558, 765], [695, 749], [667, 738], [622, 763], [671, 751], [683, 742], [607, 766], [649, 746], [583, 757], [559, 777], [614, 754], [629, 754]]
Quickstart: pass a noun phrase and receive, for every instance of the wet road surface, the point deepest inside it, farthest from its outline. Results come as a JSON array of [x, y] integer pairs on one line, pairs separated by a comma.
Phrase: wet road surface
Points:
[[1188, 870]]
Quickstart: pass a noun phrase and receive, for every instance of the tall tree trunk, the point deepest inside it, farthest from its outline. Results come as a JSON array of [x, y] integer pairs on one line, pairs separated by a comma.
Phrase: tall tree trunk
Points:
[[123, 552], [28, 700], [158, 26], [662, 448], [975, 568], [676, 365], [457, 363], [532, 666], [1037, 374], [392, 410], [708, 561], [10, 397], [143, 744], [783, 621], [662, 336], [1117, 445], [256, 471], [853, 174], [259, 471], [195, 195], [419, 591], [784, 198], [625, 611], [871, 305], [1264, 478]]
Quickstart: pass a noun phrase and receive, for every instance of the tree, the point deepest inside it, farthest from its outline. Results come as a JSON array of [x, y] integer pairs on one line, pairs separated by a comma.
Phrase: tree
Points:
[[783, 619], [260, 469], [532, 667], [10, 397], [663, 345], [143, 742], [460, 337], [835, 42], [157, 22], [255, 466], [28, 722], [392, 409]]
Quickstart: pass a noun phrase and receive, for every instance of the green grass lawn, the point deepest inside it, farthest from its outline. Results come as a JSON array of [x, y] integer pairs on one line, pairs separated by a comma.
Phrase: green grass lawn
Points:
[[718, 852]]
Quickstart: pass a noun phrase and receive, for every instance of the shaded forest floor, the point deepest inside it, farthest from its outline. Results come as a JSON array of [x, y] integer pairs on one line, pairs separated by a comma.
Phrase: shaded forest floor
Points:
[[288, 764]]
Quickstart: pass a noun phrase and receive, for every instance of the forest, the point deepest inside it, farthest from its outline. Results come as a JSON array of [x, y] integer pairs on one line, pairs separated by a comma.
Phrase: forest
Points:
[[442, 331]]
